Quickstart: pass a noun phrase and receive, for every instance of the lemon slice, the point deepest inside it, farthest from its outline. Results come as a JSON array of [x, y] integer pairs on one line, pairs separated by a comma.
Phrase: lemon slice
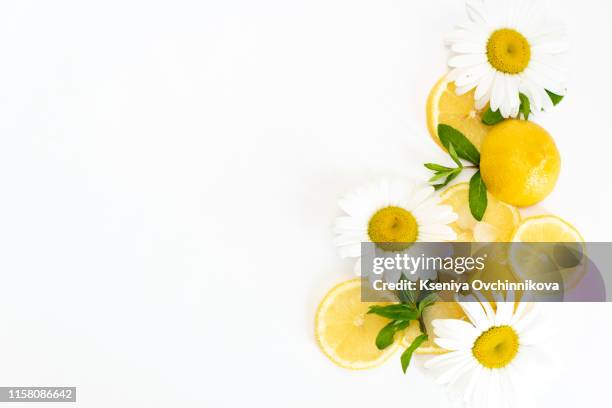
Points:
[[534, 262], [546, 228], [497, 225], [444, 106], [346, 333], [439, 310]]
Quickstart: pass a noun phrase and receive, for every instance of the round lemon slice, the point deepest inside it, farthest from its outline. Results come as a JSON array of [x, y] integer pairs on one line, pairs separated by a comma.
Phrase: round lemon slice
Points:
[[444, 106], [558, 256], [497, 225], [346, 333]]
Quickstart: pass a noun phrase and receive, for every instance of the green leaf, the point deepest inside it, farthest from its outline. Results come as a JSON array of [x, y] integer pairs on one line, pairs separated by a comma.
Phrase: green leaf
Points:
[[437, 167], [464, 148], [451, 176], [453, 155], [407, 354], [410, 296], [386, 335], [395, 312], [440, 175], [491, 118], [427, 301], [407, 295], [525, 107], [554, 97], [477, 196], [439, 186]]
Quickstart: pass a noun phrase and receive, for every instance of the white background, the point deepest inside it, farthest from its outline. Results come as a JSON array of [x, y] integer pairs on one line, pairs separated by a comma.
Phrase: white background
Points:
[[169, 173]]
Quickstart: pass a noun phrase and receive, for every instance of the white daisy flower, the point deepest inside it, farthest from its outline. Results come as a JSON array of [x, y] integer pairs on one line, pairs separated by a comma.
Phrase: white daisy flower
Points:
[[394, 214], [489, 355], [505, 48]]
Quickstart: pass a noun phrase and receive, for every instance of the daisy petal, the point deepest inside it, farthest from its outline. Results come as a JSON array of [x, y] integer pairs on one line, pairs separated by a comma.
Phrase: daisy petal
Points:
[[484, 87], [443, 360], [467, 47], [350, 251], [455, 328], [466, 60], [476, 313], [497, 91]]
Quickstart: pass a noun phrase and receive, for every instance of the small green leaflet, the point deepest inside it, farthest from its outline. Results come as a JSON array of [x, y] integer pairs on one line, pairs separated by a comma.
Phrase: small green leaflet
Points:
[[395, 312], [492, 118], [443, 172], [407, 295], [477, 196], [554, 97], [463, 147], [440, 175], [428, 300], [525, 107], [450, 176], [458, 146], [436, 167], [407, 354], [386, 335], [453, 154]]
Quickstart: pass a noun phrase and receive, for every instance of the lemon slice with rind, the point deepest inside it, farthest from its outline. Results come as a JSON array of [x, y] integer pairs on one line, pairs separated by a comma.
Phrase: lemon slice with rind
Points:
[[444, 106], [346, 332], [563, 243]]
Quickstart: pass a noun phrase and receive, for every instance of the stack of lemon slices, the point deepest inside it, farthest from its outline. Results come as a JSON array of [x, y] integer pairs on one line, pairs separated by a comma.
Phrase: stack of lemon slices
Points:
[[344, 330]]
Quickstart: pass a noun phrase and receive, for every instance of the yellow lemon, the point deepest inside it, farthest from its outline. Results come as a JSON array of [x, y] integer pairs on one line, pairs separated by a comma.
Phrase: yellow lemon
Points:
[[444, 106], [497, 225], [346, 333], [519, 162], [439, 310]]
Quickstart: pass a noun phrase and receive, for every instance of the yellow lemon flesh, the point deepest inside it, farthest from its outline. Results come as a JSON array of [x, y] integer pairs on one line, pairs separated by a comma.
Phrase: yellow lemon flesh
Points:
[[346, 333], [444, 106], [439, 310], [519, 162], [531, 262], [497, 225], [546, 228]]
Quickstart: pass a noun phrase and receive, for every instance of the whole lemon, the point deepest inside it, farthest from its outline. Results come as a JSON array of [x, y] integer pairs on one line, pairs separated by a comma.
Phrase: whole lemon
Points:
[[519, 162]]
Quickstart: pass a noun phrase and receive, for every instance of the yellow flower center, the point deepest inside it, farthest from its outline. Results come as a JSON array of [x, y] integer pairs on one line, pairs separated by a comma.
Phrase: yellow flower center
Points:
[[496, 347], [508, 51], [393, 228]]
